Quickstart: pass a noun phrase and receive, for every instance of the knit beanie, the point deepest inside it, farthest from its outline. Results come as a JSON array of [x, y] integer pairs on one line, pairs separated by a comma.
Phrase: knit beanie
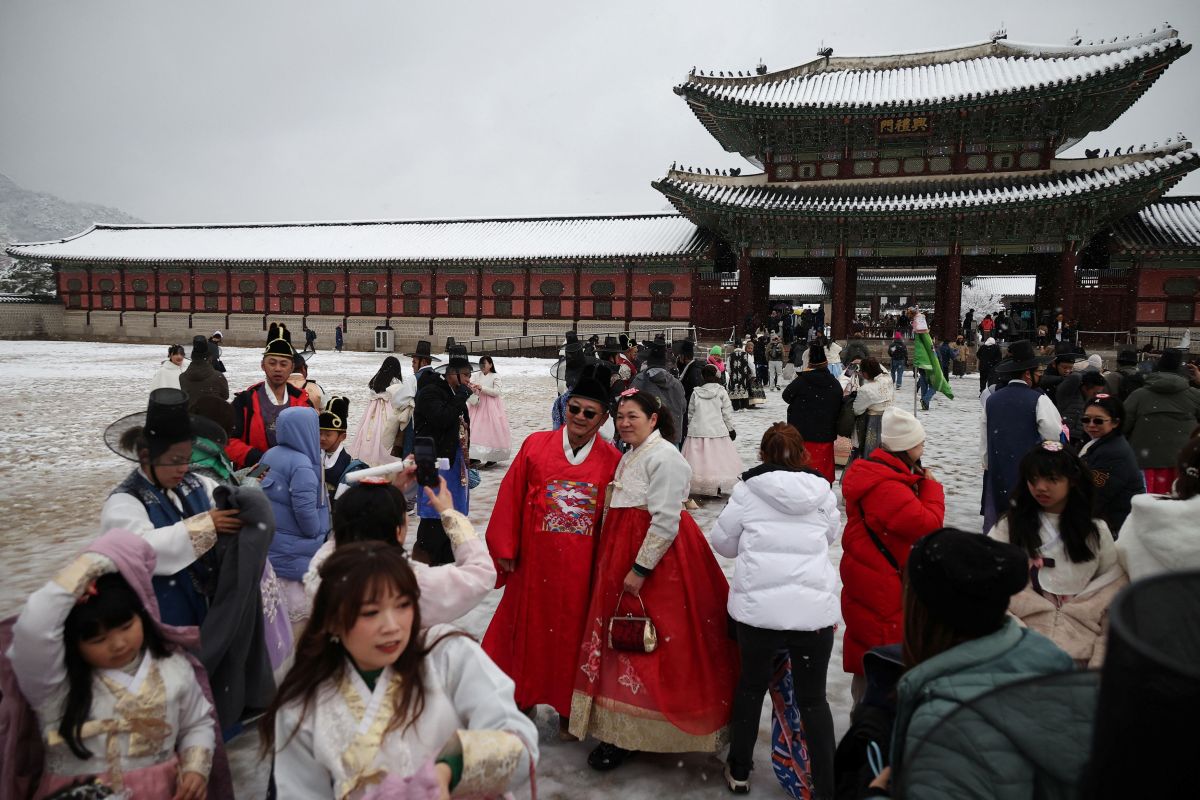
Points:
[[715, 350], [1095, 360], [901, 430], [965, 579]]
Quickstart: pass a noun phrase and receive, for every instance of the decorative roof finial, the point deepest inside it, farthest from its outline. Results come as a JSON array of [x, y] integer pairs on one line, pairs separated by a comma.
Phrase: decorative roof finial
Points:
[[761, 69], [825, 52], [1076, 39], [1000, 33]]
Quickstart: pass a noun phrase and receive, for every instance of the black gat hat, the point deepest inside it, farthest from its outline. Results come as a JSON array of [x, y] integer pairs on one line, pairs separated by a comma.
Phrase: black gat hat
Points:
[[165, 422]]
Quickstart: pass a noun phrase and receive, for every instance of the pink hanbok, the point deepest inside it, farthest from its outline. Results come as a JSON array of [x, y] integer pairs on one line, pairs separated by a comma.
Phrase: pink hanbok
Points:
[[491, 439], [376, 432]]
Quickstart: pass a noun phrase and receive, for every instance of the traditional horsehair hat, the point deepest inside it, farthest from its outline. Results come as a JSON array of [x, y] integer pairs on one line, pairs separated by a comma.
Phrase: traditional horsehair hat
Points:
[[684, 348], [593, 384], [458, 358], [612, 346], [423, 351], [657, 352], [336, 416], [280, 347], [164, 422], [1020, 358]]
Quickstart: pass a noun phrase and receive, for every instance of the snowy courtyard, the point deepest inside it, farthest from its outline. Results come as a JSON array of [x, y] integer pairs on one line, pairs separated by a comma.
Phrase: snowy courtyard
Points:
[[57, 471]]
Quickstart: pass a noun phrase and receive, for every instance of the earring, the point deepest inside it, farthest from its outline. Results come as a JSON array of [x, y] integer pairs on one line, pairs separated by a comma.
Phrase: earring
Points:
[[333, 637]]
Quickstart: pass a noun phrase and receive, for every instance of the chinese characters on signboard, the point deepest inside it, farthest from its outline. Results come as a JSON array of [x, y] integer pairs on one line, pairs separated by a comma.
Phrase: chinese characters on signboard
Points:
[[893, 126]]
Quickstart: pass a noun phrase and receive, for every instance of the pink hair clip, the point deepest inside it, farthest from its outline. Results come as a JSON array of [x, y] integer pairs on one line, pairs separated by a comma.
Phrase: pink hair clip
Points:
[[1052, 447], [629, 392]]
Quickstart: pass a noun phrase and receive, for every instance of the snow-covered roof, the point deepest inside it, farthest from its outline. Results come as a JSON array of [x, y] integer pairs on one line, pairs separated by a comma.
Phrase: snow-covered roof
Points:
[[24, 299], [1168, 224], [1071, 178], [987, 69], [470, 240], [1012, 287], [798, 287]]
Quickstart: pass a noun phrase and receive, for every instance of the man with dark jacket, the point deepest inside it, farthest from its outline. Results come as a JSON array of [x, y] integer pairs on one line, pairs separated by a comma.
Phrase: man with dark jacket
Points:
[[256, 408], [1159, 418], [898, 353], [441, 414], [1126, 378], [988, 356], [657, 380], [814, 401], [200, 379], [1059, 369]]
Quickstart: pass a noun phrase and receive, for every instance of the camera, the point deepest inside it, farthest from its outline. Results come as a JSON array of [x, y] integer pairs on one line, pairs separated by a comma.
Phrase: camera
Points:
[[425, 456]]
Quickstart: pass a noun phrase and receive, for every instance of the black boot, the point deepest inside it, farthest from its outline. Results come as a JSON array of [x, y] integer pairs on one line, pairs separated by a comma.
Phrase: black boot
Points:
[[608, 757]]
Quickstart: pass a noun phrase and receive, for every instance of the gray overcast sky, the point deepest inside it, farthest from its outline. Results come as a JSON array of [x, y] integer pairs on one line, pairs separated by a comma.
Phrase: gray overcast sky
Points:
[[249, 110]]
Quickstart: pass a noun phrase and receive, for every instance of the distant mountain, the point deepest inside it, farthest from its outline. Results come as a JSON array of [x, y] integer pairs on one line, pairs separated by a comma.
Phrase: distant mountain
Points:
[[27, 216]]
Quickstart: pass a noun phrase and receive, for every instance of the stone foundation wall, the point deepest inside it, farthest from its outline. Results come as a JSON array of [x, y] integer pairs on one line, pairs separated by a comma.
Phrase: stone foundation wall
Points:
[[32, 321]]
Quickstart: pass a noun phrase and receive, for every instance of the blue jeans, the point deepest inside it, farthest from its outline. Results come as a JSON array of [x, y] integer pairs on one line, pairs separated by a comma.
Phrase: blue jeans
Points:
[[898, 371], [926, 390]]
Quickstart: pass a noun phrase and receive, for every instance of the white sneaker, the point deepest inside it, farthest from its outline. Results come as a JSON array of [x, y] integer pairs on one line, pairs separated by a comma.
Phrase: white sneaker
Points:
[[736, 786]]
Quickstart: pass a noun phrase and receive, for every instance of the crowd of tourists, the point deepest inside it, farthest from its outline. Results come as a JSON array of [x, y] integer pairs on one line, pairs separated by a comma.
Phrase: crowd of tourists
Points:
[[255, 568]]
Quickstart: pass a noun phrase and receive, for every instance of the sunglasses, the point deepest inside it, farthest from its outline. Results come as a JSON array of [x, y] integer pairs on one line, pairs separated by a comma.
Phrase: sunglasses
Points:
[[588, 413], [1094, 420]]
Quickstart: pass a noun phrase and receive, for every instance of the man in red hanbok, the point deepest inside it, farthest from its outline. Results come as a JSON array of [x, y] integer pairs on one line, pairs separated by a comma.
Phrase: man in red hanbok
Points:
[[542, 536]]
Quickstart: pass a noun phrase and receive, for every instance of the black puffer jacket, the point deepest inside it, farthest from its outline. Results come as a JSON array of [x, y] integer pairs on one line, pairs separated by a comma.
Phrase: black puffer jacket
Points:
[[438, 411], [201, 380], [814, 401]]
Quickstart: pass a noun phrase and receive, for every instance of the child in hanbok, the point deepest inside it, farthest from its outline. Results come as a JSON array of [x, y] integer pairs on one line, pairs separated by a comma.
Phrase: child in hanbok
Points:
[[376, 433], [491, 440], [375, 510], [708, 448], [377, 707], [118, 699]]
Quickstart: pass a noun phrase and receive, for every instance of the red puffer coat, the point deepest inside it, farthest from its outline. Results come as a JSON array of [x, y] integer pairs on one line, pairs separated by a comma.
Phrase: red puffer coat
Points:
[[900, 508]]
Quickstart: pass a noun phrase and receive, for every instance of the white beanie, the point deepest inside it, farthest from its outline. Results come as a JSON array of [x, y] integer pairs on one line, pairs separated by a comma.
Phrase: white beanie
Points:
[[1095, 360], [901, 430], [991, 340], [1080, 365]]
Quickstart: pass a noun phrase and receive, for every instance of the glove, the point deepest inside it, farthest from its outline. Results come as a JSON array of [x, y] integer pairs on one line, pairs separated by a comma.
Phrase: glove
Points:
[[732, 435]]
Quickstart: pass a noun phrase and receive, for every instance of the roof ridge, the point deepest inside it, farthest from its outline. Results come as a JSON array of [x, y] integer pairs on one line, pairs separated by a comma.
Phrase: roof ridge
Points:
[[357, 223], [993, 47]]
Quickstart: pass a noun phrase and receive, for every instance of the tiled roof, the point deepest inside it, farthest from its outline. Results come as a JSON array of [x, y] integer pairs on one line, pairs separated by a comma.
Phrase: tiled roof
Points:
[[1169, 224], [476, 240], [989, 69], [1071, 178], [1013, 287]]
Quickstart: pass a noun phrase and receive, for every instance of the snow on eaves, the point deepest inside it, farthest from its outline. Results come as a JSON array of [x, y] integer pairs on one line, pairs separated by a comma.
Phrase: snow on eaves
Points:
[[868, 83], [473, 241], [750, 194], [1171, 223]]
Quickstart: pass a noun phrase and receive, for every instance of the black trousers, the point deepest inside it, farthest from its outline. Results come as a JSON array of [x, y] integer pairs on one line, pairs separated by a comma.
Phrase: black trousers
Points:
[[810, 651], [433, 545]]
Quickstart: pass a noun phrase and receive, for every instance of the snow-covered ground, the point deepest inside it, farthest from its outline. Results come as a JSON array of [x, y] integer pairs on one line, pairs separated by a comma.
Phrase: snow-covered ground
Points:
[[55, 473]]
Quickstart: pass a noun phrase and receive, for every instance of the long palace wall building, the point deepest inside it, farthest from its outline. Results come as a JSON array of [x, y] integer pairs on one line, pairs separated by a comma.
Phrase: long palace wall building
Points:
[[943, 162]]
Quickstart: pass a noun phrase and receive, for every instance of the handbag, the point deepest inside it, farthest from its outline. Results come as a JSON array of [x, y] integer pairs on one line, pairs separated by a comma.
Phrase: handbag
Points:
[[630, 633]]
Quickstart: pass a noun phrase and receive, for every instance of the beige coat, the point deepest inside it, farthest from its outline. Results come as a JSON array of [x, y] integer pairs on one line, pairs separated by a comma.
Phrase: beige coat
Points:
[[1079, 626]]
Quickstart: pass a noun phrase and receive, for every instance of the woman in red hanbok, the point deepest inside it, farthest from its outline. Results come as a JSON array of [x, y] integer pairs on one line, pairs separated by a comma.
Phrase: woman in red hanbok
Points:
[[678, 697]]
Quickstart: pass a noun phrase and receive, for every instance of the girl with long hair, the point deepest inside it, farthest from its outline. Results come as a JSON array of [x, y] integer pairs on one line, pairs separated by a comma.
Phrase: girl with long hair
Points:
[[778, 525], [652, 556], [376, 432], [1073, 559], [378, 512], [1111, 460], [491, 440], [376, 706], [1160, 534], [119, 701]]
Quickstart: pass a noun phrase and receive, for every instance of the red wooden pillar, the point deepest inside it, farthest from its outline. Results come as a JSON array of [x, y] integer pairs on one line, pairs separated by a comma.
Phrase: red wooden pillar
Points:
[[1066, 281], [949, 293], [843, 299]]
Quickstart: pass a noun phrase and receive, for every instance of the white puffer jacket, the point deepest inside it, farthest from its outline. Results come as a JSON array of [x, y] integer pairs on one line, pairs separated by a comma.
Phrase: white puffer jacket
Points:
[[1160, 535], [710, 412], [778, 526]]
